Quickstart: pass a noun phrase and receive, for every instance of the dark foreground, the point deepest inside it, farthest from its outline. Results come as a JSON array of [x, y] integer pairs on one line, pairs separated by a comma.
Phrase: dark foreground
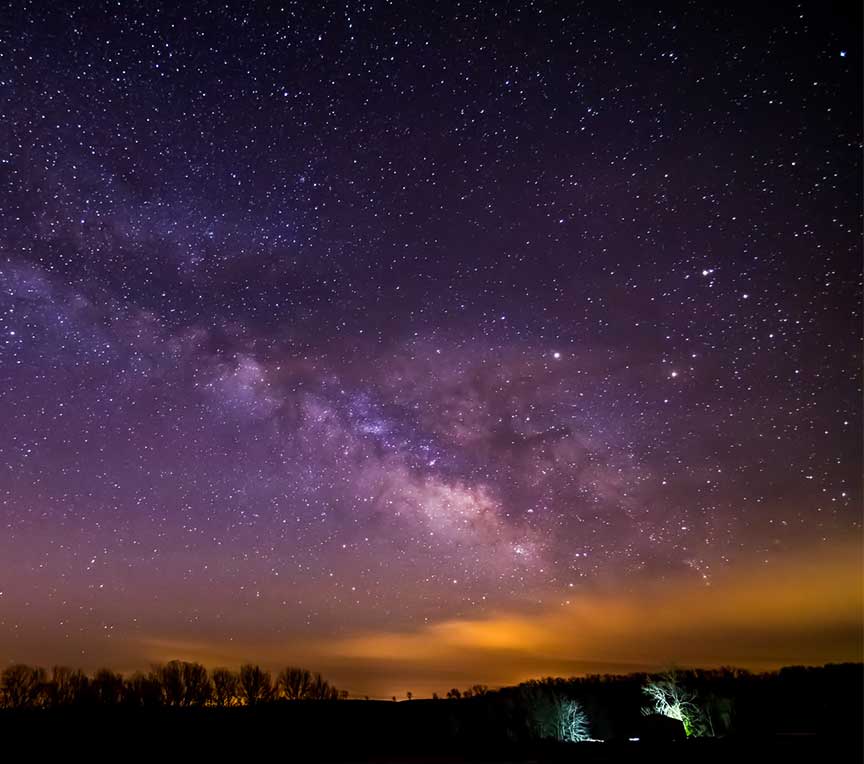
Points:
[[383, 733]]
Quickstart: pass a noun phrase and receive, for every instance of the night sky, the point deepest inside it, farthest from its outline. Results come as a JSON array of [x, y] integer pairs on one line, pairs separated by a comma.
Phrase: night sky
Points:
[[425, 344]]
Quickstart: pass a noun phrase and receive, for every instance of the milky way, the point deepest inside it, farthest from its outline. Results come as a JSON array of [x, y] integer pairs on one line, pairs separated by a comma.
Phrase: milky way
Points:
[[340, 319]]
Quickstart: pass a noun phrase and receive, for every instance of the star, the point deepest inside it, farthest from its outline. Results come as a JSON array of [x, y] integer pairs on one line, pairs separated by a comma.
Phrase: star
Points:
[[279, 293]]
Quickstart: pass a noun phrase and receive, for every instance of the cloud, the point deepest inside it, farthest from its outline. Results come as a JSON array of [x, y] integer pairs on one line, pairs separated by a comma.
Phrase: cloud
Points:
[[759, 617]]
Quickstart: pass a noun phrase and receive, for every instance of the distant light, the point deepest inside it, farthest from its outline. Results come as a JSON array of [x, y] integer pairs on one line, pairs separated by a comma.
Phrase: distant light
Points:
[[556, 355], [842, 54], [633, 739], [674, 374]]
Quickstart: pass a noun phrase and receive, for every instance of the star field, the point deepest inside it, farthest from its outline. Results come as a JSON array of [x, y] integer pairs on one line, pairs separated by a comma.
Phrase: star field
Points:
[[327, 319]]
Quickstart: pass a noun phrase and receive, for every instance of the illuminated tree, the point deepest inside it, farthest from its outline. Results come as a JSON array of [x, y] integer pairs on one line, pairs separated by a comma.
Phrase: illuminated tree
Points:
[[669, 697], [22, 686], [572, 722], [255, 685], [553, 715]]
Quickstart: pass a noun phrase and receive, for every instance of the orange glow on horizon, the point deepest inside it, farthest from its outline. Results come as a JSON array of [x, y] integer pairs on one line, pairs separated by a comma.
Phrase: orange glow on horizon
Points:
[[759, 618]]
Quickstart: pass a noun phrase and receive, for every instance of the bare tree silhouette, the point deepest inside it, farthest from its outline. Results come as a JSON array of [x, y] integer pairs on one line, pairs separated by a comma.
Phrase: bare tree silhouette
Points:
[[22, 685], [226, 687], [255, 685], [170, 679], [197, 687], [107, 687], [67, 686], [321, 689], [142, 690], [299, 684], [294, 683], [182, 683]]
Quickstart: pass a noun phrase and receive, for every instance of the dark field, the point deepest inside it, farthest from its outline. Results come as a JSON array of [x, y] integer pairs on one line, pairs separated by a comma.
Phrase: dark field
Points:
[[416, 732]]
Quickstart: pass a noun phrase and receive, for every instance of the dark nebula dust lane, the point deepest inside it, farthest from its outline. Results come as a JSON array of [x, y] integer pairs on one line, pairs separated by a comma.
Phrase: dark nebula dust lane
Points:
[[394, 337]]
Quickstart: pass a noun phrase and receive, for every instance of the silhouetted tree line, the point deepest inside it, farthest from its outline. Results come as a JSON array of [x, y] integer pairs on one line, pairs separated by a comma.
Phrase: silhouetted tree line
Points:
[[174, 684], [705, 704], [474, 691]]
